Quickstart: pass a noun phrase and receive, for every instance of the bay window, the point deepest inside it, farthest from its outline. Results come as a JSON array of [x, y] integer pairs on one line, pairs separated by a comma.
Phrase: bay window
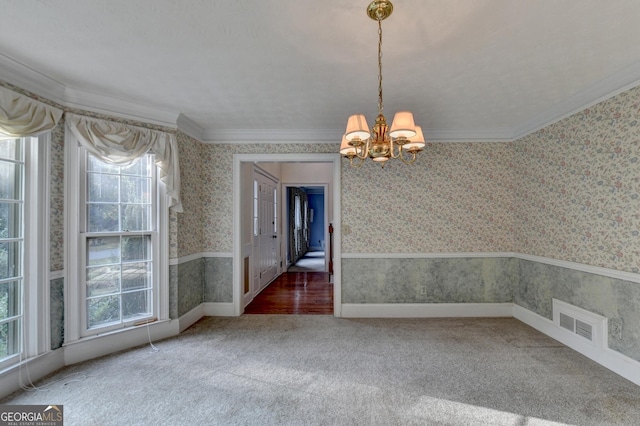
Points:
[[23, 289]]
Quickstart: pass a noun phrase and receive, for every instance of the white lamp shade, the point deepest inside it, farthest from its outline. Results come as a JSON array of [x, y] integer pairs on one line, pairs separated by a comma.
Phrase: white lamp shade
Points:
[[357, 128], [415, 142], [345, 148], [403, 125]]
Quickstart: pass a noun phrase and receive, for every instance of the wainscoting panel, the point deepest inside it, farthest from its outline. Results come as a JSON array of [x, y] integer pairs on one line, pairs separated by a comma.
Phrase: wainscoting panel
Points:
[[190, 285], [218, 279], [539, 283], [56, 312], [428, 280]]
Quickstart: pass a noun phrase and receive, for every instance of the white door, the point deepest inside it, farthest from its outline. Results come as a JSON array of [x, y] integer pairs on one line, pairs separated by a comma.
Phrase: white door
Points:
[[266, 244]]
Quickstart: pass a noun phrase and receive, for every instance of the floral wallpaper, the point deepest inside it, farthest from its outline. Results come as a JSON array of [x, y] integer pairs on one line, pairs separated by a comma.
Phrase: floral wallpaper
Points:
[[578, 188], [457, 197], [570, 191], [186, 228], [217, 188], [56, 199]]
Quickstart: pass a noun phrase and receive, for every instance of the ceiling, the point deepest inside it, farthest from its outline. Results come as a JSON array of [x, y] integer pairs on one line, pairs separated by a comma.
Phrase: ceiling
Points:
[[281, 70]]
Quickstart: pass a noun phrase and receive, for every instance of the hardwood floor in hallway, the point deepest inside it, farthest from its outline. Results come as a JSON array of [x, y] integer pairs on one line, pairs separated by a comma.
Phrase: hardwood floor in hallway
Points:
[[295, 293]]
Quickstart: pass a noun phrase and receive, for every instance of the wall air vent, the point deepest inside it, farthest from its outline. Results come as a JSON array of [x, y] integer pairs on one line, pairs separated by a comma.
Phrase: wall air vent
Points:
[[584, 329], [581, 323], [567, 322]]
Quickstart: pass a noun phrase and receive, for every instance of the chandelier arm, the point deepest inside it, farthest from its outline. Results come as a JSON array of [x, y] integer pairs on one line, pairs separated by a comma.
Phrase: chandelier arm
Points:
[[392, 150], [411, 160], [358, 164], [363, 151]]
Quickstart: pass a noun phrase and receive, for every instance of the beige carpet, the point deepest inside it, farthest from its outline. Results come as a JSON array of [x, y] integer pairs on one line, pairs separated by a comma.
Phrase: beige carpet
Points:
[[321, 370]]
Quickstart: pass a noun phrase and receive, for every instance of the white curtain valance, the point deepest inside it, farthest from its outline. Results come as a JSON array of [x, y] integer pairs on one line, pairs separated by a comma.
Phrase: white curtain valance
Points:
[[122, 144], [21, 116]]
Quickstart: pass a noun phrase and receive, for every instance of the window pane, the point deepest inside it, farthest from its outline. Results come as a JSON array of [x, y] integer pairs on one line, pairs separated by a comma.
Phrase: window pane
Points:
[[10, 257], [136, 248], [103, 310], [135, 189], [119, 267], [140, 168], [136, 276], [103, 218], [103, 187], [11, 149], [10, 299], [10, 180], [9, 338], [103, 280], [136, 304], [135, 217], [11, 252], [10, 215], [96, 165], [103, 250]]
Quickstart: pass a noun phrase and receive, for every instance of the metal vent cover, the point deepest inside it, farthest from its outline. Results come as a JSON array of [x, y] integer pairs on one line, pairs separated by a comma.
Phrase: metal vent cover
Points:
[[584, 329], [580, 322], [567, 322]]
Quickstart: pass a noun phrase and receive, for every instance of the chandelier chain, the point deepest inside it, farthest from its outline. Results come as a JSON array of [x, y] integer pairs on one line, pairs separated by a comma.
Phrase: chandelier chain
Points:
[[380, 104]]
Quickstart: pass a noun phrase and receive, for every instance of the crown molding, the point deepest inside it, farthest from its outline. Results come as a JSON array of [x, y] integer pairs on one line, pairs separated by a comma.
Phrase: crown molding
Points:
[[29, 79], [335, 136], [606, 88], [190, 127], [479, 135], [104, 104], [271, 136]]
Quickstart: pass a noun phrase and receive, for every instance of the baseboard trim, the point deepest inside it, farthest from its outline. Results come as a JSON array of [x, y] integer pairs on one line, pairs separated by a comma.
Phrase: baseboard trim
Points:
[[190, 318], [30, 371], [93, 347], [426, 310], [608, 358], [218, 309]]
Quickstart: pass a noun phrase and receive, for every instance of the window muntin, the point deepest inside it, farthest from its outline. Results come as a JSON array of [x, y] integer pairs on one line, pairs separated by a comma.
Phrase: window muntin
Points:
[[120, 224], [12, 177]]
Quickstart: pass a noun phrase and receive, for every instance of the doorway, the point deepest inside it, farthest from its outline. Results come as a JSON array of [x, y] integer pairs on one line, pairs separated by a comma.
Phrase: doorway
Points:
[[242, 236], [307, 227]]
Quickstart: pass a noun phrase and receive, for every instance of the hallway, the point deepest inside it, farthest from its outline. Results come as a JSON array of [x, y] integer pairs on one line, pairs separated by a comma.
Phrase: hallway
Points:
[[311, 261], [295, 293]]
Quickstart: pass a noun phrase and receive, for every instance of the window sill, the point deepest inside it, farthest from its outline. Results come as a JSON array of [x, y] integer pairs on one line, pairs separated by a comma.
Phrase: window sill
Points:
[[94, 346]]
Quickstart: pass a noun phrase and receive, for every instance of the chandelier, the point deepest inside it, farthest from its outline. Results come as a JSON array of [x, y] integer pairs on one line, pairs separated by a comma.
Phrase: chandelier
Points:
[[403, 140]]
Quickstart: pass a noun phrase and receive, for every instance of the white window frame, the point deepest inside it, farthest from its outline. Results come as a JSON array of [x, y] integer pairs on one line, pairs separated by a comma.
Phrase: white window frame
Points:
[[76, 323], [35, 330]]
